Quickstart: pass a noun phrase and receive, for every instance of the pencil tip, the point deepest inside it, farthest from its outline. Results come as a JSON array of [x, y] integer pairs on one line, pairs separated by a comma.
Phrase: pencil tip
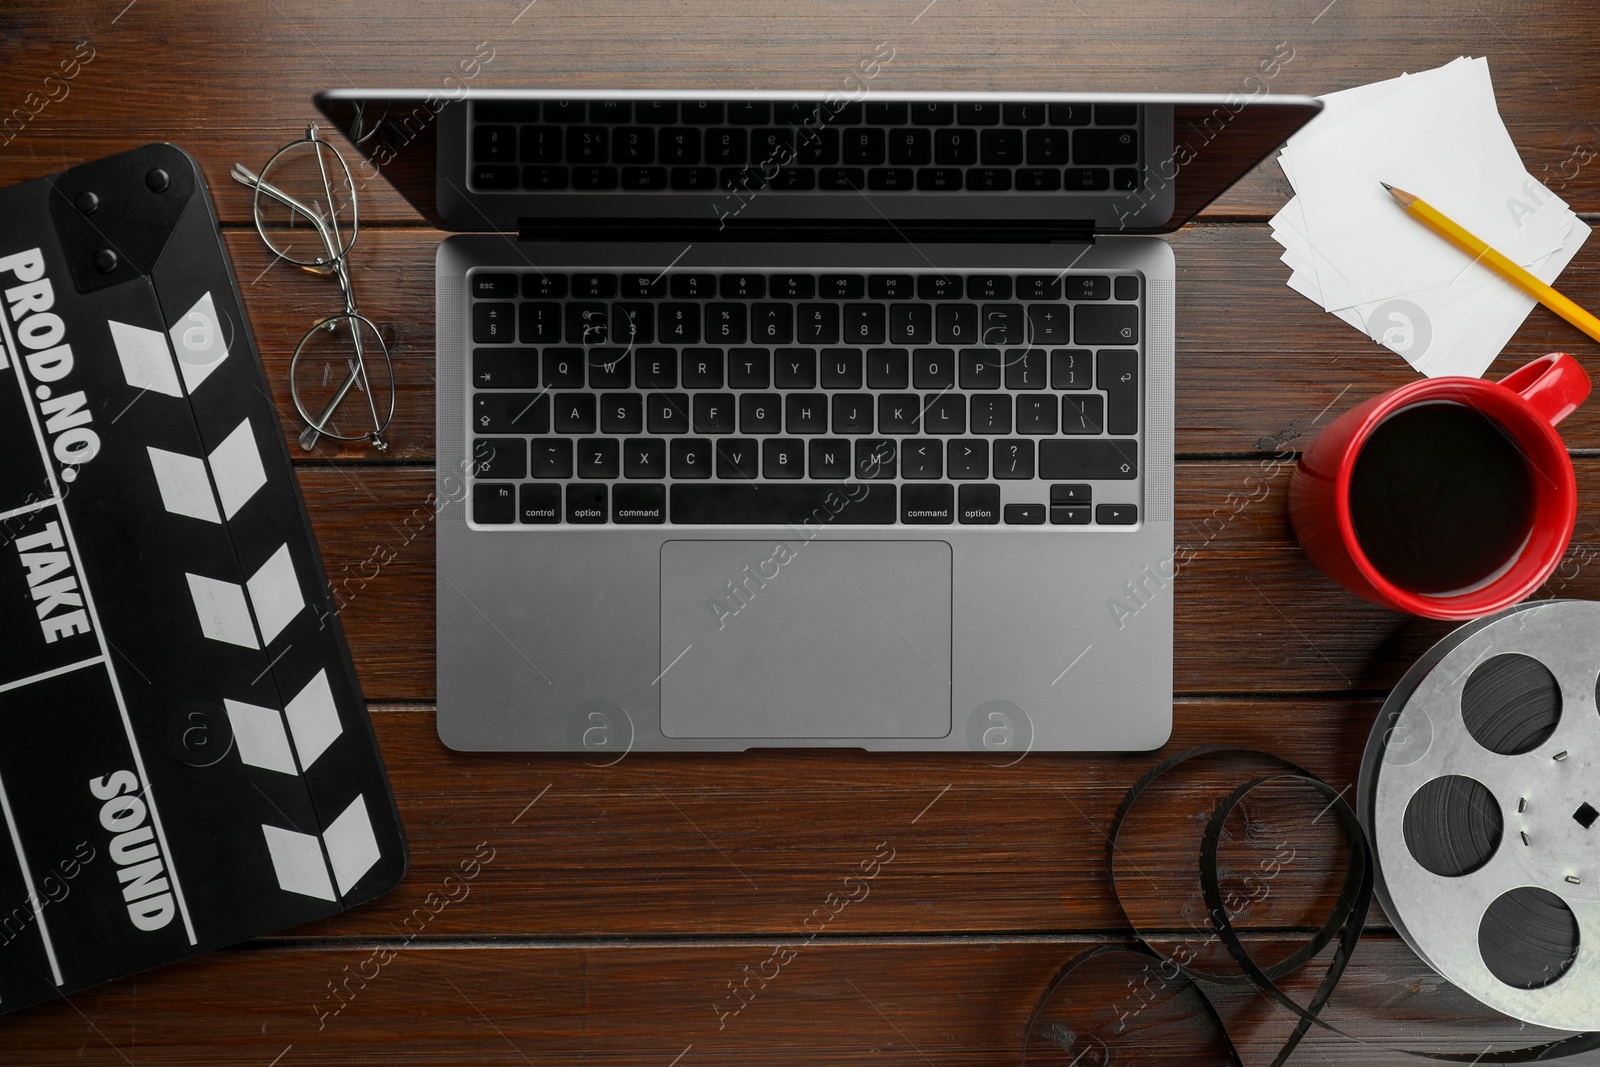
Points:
[[1387, 186]]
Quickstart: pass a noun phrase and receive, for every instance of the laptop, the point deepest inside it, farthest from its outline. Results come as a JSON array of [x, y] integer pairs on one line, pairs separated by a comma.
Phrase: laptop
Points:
[[782, 420]]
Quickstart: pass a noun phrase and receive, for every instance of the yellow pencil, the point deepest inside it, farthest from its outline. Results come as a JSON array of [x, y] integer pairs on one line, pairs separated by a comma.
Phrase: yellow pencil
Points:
[[1475, 247]]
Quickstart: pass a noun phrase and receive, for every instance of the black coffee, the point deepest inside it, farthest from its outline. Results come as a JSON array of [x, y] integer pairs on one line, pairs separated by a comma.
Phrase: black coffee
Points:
[[1441, 497]]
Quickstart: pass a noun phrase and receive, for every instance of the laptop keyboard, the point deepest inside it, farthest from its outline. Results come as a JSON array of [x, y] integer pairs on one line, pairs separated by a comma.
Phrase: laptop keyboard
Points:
[[803, 146], [769, 398]]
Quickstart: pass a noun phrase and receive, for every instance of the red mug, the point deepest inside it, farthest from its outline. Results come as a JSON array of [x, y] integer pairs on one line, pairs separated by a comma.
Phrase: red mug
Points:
[[1527, 404]]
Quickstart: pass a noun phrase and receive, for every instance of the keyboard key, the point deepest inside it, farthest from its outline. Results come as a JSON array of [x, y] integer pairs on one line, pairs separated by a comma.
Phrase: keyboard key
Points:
[[713, 413], [795, 179], [540, 144], [594, 177], [888, 114], [725, 324], [842, 287], [1036, 414], [928, 505], [1127, 287], [551, 458], [977, 114], [702, 112], [818, 147], [1069, 515], [1000, 148], [955, 147], [1048, 146], [978, 368], [1087, 459], [1013, 458], [805, 413], [830, 458], [798, 112], [511, 413], [939, 287], [852, 413], [1090, 147], [1082, 414], [657, 368], [621, 413], [1025, 370], [743, 286], [988, 287], [1118, 376], [891, 286], [494, 176], [841, 368], [864, 145], [594, 286], [910, 147], [793, 286], [563, 368], [506, 111], [772, 146], [702, 368], [782, 505], [991, 413], [544, 286], [796, 368], [691, 178], [691, 458], [838, 178], [655, 112], [760, 413], [955, 324], [876, 459], [632, 324], [1116, 114], [1089, 287], [865, 324], [967, 459], [1070, 114], [1049, 324], [888, 368], [1038, 179], [639, 503], [539, 503], [1125, 179], [1077, 493], [749, 112], [486, 286], [680, 146], [772, 324], [1085, 179], [609, 368], [818, 324], [599, 457], [575, 413], [678, 323], [587, 323], [931, 113], [586, 144], [666, 413], [1116, 514], [644, 457], [505, 368], [945, 415], [989, 179], [783, 457], [499, 457], [738, 458], [494, 323], [939, 179], [726, 146], [898, 413], [586, 502], [749, 368], [1105, 324], [922, 458], [494, 505], [1002, 324], [1070, 368], [890, 179], [1022, 114], [694, 286], [1024, 514], [933, 368], [980, 505]]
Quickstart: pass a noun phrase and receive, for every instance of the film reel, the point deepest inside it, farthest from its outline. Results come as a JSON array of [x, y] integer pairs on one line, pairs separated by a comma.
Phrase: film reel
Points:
[[1480, 794]]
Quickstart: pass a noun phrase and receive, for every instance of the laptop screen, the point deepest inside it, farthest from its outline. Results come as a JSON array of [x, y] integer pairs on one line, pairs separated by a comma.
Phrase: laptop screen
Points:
[[643, 162]]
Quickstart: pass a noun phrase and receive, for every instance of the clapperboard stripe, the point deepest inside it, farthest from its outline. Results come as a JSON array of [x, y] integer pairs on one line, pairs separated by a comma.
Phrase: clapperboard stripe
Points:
[[262, 740], [225, 609], [235, 469], [199, 343], [352, 849]]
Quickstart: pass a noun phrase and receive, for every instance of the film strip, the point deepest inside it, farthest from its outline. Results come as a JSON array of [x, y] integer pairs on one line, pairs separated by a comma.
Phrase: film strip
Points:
[[186, 759]]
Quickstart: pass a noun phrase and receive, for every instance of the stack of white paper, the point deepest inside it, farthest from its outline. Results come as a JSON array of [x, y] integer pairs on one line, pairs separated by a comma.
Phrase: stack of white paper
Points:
[[1353, 250]]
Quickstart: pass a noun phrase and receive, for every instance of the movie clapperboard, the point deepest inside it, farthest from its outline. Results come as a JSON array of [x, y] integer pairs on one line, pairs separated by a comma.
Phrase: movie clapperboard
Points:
[[185, 755]]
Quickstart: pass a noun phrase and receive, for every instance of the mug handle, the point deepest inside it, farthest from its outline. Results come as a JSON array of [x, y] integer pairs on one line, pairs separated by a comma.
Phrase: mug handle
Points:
[[1554, 385]]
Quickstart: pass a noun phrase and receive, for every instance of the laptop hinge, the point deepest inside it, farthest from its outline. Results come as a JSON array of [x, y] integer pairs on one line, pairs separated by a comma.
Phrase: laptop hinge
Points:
[[957, 231]]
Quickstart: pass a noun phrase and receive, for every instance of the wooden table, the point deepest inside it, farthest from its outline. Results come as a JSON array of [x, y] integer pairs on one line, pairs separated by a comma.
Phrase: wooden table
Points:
[[622, 904]]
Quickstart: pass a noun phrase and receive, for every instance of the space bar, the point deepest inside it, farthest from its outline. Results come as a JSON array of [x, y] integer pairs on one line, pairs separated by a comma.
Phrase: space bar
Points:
[[764, 504]]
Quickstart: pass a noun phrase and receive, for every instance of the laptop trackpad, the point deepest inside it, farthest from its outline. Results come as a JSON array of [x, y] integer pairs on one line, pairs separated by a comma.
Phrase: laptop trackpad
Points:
[[799, 639]]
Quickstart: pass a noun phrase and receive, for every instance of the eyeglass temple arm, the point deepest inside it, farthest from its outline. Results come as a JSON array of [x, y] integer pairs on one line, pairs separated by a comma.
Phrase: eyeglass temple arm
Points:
[[244, 176]]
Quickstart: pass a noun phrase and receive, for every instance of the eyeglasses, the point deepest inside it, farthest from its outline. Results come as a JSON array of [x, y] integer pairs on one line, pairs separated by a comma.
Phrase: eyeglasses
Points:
[[305, 210]]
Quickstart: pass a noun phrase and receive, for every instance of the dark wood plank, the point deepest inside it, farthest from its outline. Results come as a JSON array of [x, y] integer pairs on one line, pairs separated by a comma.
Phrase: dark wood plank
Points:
[[243, 86], [841, 1003], [1253, 615]]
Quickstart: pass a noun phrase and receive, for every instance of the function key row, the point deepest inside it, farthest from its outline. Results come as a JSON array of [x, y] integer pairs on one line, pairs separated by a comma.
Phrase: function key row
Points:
[[688, 285], [501, 177], [813, 112]]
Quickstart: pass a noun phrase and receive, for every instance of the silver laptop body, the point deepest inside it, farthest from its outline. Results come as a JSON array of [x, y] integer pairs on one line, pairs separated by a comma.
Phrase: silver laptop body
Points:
[[751, 438]]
